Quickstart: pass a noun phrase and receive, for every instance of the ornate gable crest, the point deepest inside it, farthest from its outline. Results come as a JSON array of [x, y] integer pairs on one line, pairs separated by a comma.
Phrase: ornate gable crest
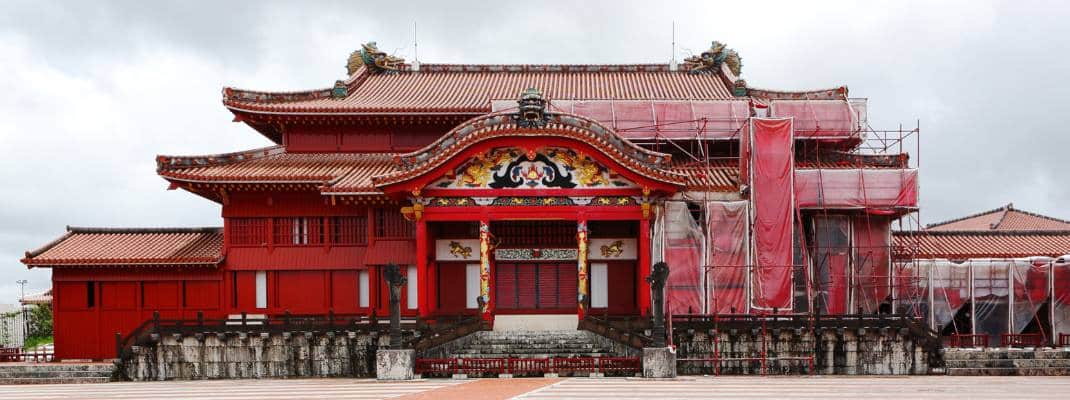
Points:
[[514, 168]]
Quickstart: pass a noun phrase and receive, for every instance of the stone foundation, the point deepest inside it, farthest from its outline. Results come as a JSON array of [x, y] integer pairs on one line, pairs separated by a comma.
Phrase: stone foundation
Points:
[[255, 355], [659, 362], [395, 365], [834, 351]]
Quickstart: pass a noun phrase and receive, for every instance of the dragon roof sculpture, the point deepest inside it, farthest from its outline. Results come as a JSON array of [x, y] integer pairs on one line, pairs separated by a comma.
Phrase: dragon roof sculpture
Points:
[[370, 56], [711, 59]]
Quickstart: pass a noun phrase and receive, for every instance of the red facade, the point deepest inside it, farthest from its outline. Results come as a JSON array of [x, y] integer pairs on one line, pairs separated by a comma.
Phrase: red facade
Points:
[[554, 203]]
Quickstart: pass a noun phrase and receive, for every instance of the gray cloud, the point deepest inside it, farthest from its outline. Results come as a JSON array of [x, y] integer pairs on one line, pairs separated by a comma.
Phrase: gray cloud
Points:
[[93, 90]]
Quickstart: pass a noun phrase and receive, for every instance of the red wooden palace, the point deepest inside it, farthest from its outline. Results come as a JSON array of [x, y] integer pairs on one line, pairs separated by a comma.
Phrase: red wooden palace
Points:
[[508, 190]]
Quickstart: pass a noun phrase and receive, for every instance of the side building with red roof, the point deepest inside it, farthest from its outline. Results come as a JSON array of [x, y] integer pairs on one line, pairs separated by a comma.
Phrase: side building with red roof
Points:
[[504, 192], [991, 277]]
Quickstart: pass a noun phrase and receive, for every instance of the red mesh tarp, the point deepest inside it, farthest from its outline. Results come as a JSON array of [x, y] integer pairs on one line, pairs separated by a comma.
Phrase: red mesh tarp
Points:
[[1060, 275], [646, 119], [911, 285], [683, 252], [727, 256], [951, 290], [1030, 278], [856, 188], [772, 162], [990, 297], [831, 247], [819, 119], [872, 237]]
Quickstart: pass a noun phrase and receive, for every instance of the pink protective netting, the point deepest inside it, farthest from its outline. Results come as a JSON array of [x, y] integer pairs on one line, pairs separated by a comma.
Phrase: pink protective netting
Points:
[[772, 162], [819, 119], [911, 289], [856, 188], [727, 279], [871, 266], [831, 253], [1060, 316], [991, 297], [951, 291], [1030, 279], [649, 119], [683, 251]]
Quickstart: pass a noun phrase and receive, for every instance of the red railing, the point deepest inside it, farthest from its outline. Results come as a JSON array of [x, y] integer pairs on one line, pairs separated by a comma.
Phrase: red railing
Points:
[[1022, 340], [1064, 339], [968, 340], [526, 366]]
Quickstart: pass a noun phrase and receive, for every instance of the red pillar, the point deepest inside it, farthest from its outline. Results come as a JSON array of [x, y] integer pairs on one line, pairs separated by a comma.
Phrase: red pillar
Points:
[[642, 286], [484, 272], [582, 268], [422, 300]]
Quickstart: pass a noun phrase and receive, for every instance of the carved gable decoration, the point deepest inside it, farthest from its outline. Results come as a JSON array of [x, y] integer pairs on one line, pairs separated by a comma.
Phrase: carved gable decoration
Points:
[[545, 168]]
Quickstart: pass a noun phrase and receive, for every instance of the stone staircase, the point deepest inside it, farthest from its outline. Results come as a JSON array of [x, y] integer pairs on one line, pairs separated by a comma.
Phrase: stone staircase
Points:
[[42, 373], [531, 344], [1008, 362]]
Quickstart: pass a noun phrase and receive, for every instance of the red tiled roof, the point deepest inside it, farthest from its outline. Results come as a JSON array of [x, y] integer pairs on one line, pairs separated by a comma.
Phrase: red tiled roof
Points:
[[439, 88], [270, 165], [1006, 218], [131, 247], [980, 244]]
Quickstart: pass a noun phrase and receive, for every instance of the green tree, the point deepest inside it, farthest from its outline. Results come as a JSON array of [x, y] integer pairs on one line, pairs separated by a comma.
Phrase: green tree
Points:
[[40, 321]]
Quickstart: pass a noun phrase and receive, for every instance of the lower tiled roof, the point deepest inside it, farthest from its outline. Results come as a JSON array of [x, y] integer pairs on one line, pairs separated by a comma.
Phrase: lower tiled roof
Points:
[[980, 244], [131, 247], [1006, 218]]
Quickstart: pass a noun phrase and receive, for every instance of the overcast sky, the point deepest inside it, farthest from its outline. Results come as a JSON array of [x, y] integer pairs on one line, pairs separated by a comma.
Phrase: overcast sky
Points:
[[90, 92]]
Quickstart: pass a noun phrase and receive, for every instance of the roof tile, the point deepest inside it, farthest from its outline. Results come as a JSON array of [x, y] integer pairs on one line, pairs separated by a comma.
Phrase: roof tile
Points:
[[131, 247]]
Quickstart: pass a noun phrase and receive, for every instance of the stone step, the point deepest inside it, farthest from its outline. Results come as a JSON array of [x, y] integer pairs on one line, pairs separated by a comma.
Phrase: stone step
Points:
[[56, 367], [42, 381], [567, 346], [1005, 354], [1009, 371], [55, 374], [1010, 363], [531, 351], [531, 355]]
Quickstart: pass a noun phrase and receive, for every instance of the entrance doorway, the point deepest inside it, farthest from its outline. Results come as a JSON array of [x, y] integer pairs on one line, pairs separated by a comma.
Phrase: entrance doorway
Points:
[[545, 287]]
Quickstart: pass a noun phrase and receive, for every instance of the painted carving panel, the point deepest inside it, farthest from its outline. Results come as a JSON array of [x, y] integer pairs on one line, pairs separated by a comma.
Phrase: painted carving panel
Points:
[[548, 167]]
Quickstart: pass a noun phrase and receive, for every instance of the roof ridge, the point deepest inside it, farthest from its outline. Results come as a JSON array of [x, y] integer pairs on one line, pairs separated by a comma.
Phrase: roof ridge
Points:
[[942, 223], [1003, 215], [193, 229], [987, 232], [165, 162], [1030, 213], [34, 253]]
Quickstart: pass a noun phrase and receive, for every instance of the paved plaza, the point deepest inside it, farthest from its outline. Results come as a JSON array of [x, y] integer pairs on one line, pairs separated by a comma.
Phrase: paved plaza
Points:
[[821, 387]]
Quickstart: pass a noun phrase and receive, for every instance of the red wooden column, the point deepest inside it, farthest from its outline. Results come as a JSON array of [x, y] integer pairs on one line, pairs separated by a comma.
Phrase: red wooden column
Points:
[[642, 286], [581, 269], [422, 272], [487, 306]]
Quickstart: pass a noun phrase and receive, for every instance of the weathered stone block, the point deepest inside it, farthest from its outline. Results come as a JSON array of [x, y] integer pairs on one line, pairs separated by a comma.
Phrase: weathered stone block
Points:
[[394, 364], [659, 362]]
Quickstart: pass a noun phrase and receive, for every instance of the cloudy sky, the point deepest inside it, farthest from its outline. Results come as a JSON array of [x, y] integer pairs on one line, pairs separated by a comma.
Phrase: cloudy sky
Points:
[[92, 91]]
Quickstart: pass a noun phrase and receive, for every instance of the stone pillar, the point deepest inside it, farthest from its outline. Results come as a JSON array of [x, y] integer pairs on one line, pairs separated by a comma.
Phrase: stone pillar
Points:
[[581, 269], [659, 361], [486, 307]]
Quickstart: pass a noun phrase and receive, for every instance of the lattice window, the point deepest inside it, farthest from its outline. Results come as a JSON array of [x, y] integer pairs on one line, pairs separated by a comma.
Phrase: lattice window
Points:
[[299, 231], [391, 224], [349, 230], [247, 231]]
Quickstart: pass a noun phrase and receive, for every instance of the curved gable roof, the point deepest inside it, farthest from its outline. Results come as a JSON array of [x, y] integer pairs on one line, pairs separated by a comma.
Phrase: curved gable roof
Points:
[[637, 160]]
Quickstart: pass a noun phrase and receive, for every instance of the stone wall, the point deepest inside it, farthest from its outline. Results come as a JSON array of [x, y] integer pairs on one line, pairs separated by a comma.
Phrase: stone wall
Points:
[[834, 351], [255, 355]]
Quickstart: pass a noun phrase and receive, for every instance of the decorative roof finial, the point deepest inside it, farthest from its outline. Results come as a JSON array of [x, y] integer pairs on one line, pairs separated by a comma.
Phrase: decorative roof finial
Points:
[[370, 56], [531, 110], [710, 60]]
